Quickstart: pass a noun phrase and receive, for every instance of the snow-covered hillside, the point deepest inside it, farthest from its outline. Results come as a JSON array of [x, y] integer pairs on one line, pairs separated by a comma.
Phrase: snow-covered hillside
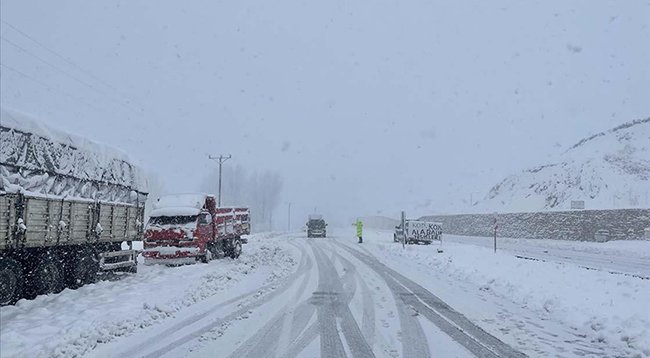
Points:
[[607, 170]]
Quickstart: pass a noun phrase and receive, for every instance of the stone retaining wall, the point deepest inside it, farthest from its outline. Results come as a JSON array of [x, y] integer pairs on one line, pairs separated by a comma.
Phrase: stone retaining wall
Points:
[[622, 224]]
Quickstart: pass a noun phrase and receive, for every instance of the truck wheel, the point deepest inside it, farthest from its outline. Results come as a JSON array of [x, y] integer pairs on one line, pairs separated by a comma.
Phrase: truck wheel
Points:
[[236, 249], [11, 281], [207, 257], [83, 268], [47, 276]]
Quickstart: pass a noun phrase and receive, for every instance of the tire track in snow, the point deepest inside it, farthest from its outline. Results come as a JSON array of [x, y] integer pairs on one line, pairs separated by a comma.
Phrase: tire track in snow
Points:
[[368, 315], [451, 322], [414, 341], [330, 286], [311, 333], [274, 290], [267, 340], [287, 328]]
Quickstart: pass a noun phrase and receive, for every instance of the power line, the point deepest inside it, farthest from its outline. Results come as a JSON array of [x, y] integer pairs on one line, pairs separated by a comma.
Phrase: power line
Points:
[[68, 61], [50, 88], [50, 64], [120, 98], [60, 70]]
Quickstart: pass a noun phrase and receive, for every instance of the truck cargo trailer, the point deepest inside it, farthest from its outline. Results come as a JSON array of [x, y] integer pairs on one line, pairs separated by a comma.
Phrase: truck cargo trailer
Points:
[[66, 207]]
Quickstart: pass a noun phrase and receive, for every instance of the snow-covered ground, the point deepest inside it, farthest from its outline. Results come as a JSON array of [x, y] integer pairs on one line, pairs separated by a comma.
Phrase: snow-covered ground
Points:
[[297, 297], [626, 257], [556, 306], [74, 322]]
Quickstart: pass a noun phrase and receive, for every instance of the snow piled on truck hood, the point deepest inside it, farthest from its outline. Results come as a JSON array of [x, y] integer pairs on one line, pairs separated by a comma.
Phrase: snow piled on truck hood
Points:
[[181, 200], [175, 211]]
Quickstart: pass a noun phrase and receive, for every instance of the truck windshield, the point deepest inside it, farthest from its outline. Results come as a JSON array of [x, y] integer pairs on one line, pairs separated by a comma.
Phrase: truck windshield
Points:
[[316, 223], [172, 220]]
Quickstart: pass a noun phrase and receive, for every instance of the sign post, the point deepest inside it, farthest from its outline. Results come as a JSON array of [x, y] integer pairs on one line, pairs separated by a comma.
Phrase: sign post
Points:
[[496, 226], [403, 224]]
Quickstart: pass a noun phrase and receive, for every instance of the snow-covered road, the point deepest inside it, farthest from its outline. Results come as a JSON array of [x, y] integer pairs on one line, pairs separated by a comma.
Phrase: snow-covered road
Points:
[[339, 302], [618, 257], [291, 296]]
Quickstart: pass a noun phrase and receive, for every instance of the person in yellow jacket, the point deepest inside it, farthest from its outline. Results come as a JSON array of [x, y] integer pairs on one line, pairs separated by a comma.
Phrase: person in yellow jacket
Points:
[[359, 230]]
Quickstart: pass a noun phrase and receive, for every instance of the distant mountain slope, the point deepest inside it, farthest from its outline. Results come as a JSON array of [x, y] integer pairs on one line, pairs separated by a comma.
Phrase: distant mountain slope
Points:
[[610, 169]]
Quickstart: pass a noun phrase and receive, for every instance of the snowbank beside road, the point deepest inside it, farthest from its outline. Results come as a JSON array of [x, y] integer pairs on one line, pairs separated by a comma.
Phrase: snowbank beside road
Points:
[[74, 322], [610, 310], [628, 257]]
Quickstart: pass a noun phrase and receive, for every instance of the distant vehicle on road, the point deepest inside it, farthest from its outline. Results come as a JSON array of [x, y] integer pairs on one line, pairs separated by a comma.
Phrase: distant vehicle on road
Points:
[[186, 228], [418, 232], [316, 226]]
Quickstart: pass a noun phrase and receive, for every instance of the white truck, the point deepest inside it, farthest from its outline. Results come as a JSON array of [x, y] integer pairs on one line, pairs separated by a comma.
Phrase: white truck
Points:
[[67, 205], [418, 232]]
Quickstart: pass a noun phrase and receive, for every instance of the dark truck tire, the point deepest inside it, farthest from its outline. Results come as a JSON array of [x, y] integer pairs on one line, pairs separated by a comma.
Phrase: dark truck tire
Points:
[[207, 257], [47, 276], [235, 250], [82, 268], [11, 281]]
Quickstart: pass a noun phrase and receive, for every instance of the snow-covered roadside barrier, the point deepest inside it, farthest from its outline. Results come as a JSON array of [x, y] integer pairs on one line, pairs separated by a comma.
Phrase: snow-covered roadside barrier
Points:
[[611, 310], [76, 321]]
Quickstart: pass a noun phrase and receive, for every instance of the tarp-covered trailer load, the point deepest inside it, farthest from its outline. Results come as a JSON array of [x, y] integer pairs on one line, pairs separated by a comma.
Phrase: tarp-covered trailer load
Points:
[[66, 206]]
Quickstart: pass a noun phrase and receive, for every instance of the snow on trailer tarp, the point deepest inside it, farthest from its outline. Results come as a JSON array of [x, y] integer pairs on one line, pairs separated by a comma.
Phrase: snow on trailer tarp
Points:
[[40, 161]]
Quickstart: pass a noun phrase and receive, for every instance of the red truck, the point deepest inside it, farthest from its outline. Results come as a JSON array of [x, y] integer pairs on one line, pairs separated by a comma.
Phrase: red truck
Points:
[[186, 228]]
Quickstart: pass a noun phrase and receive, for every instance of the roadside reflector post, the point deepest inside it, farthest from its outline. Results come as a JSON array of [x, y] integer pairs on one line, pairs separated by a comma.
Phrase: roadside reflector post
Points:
[[403, 224], [496, 226]]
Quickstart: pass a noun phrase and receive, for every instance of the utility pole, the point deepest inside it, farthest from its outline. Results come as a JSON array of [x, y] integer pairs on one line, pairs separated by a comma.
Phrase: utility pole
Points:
[[221, 158]]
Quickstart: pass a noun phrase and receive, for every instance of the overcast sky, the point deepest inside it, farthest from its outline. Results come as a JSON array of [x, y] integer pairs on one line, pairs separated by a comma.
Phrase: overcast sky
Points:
[[364, 107]]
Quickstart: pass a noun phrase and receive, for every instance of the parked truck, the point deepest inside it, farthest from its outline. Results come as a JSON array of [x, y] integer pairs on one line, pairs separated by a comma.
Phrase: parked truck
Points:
[[67, 205], [418, 232], [186, 228]]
